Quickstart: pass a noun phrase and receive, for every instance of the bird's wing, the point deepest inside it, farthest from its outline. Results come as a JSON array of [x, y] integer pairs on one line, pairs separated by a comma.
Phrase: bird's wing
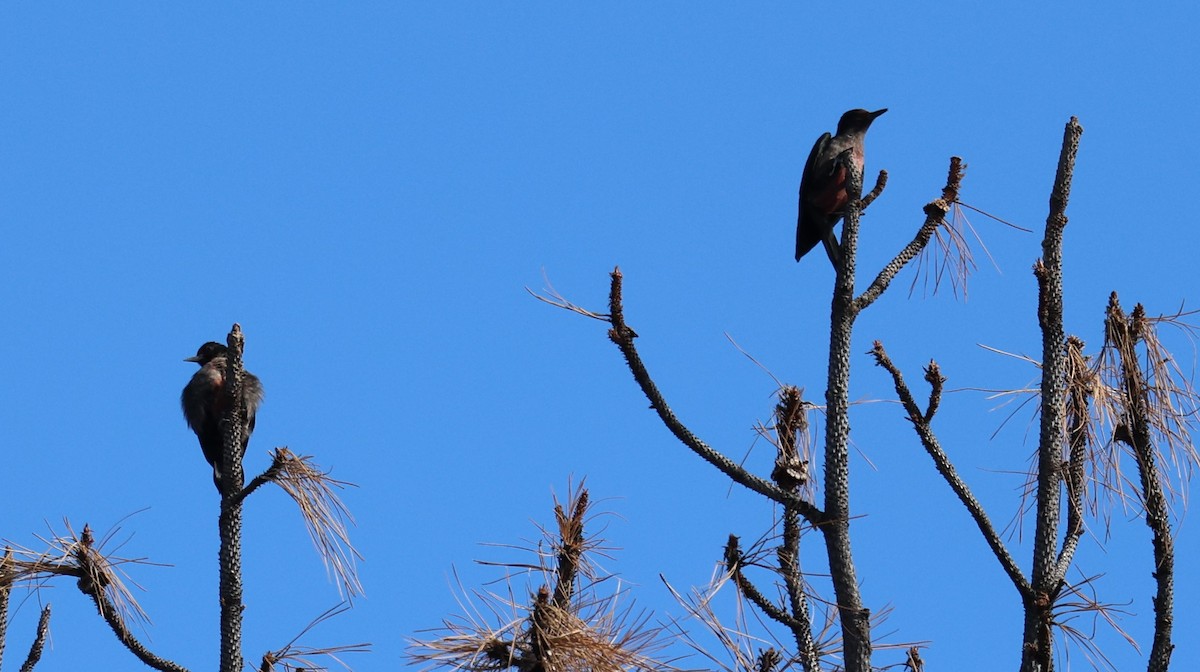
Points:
[[809, 232], [196, 398]]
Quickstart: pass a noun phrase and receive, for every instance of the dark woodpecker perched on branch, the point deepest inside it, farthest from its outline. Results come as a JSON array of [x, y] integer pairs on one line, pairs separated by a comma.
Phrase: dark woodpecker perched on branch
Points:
[[203, 401], [823, 195]]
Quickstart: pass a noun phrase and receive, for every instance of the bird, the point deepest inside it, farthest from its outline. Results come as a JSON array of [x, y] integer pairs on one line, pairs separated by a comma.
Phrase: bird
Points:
[[203, 400], [823, 195]]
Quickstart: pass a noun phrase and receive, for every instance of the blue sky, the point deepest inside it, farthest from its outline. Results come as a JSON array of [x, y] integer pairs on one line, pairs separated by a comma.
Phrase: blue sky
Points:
[[368, 188]]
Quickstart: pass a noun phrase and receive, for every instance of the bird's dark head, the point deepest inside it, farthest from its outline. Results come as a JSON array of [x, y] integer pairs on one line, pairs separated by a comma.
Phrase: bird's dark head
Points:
[[208, 352], [857, 120]]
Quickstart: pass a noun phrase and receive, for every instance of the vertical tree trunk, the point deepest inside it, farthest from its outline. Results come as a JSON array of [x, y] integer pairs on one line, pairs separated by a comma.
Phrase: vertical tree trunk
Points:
[[855, 620], [1037, 650], [231, 509]]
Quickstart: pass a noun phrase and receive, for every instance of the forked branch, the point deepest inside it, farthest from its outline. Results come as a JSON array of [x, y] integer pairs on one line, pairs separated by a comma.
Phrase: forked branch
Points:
[[623, 336], [1037, 647], [584, 631], [1123, 334], [80, 557], [921, 423], [935, 216]]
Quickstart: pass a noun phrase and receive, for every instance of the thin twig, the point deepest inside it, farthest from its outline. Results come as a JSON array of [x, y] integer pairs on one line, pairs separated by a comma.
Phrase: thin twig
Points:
[[301, 658]]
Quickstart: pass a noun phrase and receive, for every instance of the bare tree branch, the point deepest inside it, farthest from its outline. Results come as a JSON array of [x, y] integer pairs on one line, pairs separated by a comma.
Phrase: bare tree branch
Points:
[[733, 564], [855, 619], [1079, 391], [1124, 333], [1037, 650], [622, 335], [39, 642], [946, 468], [880, 183], [230, 521], [94, 577], [935, 215]]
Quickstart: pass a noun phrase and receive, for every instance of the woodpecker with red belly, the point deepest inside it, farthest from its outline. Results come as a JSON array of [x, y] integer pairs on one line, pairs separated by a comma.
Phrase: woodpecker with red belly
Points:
[[823, 195], [203, 402]]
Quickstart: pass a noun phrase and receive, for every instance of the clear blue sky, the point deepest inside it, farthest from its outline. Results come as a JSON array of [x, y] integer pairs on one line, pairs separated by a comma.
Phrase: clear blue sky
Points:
[[367, 188]]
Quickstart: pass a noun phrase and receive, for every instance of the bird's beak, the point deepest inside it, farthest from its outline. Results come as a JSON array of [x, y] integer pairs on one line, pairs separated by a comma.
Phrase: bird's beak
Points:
[[876, 113], [192, 359]]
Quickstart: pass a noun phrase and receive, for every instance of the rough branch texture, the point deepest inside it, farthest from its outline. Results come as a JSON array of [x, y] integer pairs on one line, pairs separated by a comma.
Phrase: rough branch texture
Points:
[[946, 468], [855, 619], [1077, 415], [1125, 333], [623, 336], [113, 617], [39, 642], [833, 521], [233, 424], [935, 215], [1037, 650]]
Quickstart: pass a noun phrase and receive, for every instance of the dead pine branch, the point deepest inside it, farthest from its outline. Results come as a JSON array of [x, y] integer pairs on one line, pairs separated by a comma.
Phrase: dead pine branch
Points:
[[325, 515], [832, 518], [39, 642], [935, 218], [921, 421], [230, 520], [622, 335], [1123, 333], [98, 576], [1037, 647], [567, 629], [855, 618], [95, 577], [8, 576], [791, 473], [298, 658], [6, 583], [1080, 389]]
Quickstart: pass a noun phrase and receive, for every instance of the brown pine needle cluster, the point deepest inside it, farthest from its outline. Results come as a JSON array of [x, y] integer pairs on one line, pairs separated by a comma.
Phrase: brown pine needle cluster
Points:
[[1077, 614], [78, 555], [1172, 403], [750, 641], [949, 258], [325, 516], [298, 658], [569, 625], [1096, 388], [793, 442], [98, 575]]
